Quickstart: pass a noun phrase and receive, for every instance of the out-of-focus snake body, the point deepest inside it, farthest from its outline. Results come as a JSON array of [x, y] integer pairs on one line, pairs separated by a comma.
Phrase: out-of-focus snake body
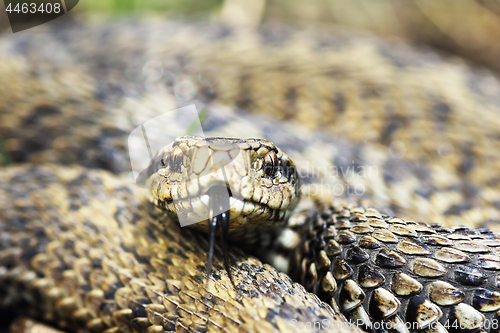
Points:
[[367, 123]]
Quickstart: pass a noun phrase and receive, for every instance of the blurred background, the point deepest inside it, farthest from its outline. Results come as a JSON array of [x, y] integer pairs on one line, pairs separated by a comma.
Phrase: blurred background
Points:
[[466, 28], [126, 67], [469, 28]]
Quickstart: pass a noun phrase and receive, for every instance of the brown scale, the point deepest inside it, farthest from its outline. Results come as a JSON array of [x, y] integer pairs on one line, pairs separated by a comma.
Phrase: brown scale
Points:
[[70, 257], [375, 98], [383, 270], [398, 101]]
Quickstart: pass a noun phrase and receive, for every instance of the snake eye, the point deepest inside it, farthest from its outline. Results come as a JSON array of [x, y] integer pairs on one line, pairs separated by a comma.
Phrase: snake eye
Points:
[[174, 161], [270, 164]]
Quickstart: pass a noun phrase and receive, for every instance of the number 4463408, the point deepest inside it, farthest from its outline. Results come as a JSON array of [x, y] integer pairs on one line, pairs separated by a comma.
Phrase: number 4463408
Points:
[[34, 8]]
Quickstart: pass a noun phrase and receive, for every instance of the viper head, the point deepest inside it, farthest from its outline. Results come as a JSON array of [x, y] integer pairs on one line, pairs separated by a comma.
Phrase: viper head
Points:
[[243, 186]]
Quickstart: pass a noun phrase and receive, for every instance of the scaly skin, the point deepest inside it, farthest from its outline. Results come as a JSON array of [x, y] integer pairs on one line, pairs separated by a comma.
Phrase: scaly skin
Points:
[[80, 250], [383, 270], [428, 125]]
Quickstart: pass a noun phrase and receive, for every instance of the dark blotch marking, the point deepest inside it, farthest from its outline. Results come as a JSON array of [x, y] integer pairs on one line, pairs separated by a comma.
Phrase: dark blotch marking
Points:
[[414, 308], [291, 99], [39, 112], [244, 100], [366, 273], [391, 127], [339, 102], [441, 112], [484, 297], [356, 255], [110, 293], [139, 310], [466, 165], [458, 209], [469, 276], [386, 259]]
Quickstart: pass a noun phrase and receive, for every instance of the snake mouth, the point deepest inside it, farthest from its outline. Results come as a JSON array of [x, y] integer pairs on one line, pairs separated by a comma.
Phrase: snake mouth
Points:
[[196, 210]]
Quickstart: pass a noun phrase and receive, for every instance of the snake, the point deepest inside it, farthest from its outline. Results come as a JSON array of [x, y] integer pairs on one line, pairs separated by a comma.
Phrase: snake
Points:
[[393, 145]]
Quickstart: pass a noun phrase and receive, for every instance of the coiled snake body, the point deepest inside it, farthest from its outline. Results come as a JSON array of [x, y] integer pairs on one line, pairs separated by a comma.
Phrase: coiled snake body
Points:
[[368, 124]]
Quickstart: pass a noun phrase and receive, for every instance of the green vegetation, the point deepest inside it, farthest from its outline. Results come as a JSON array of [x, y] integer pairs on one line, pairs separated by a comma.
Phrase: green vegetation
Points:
[[4, 156], [178, 7], [194, 125]]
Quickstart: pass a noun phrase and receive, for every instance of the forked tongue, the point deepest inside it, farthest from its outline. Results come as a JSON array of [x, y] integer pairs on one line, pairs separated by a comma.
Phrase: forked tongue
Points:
[[219, 217]]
